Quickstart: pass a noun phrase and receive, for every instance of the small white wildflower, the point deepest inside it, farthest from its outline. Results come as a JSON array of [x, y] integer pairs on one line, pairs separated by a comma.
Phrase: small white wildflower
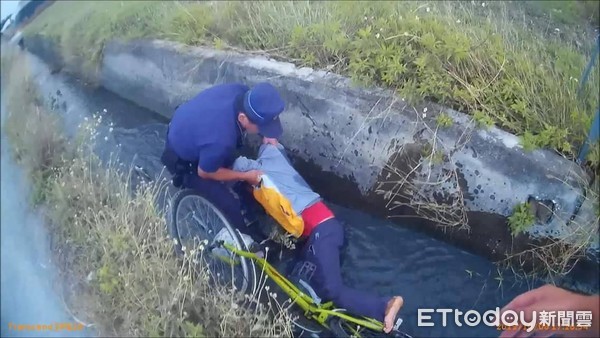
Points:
[[458, 21], [105, 138], [274, 295], [365, 18], [483, 4], [377, 35], [381, 29], [85, 118], [425, 110], [104, 110], [424, 115], [110, 130], [427, 9], [417, 17], [267, 288], [557, 30], [175, 241]]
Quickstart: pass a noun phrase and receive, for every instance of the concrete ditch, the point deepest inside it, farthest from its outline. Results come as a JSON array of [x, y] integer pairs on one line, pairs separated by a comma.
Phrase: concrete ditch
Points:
[[367, 148]]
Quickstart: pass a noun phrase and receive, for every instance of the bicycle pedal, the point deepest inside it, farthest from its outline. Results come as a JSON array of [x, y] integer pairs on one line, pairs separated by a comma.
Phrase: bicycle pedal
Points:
[[398, 323]]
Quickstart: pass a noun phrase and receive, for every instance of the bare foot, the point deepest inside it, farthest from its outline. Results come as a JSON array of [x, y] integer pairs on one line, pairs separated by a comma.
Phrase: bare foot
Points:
[[393, 306]]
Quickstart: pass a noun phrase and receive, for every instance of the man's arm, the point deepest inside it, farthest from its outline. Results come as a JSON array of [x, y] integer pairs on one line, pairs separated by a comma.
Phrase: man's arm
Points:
[[224, 174]]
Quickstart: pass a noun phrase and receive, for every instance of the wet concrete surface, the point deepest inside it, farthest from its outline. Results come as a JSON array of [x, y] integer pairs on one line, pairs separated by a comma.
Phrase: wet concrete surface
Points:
[[29, 292], [380, 256]]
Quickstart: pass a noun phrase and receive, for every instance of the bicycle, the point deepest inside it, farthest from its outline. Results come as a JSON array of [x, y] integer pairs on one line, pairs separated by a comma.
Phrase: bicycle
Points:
[[234, 254]]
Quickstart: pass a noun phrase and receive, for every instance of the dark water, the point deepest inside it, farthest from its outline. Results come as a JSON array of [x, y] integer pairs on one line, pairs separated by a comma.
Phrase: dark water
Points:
[[381, 256]]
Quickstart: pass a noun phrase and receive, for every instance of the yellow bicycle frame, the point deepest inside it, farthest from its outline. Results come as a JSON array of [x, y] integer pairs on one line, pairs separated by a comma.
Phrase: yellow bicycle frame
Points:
[[317, 312]]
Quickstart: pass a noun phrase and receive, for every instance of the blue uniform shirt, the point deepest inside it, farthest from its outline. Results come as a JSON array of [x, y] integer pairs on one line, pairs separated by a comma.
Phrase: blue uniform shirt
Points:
[[205, 128]]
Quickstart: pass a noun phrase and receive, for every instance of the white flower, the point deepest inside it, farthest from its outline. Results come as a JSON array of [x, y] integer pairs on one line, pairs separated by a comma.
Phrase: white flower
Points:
[[85, 118], [458, 21], [377, 35], [425, 110], [105, 138], [424, 115], [427, 9], [483, 4], [175, 241], [557, 30], [104, 110], [110, 130]]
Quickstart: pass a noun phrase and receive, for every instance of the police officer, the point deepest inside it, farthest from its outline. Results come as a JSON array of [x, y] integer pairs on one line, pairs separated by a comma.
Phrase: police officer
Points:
[[205, 133]]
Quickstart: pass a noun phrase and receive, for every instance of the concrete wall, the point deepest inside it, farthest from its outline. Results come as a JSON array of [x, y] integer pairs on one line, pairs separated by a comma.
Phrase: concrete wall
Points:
[[368, 148]]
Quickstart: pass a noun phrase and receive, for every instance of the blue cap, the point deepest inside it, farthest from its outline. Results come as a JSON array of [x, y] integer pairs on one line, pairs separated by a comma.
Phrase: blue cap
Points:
[[262, 105]]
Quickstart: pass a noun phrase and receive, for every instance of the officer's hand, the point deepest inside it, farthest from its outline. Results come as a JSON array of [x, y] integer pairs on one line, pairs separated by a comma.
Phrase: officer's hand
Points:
[[253, 177], [273, 141]]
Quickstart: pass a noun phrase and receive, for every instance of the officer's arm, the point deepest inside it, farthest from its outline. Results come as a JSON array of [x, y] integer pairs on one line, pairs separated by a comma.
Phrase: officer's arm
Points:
[[210, 166], [224, 174]]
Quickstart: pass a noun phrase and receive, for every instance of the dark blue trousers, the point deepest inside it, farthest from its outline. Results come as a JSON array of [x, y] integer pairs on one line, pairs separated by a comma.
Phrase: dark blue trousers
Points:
[[323, 250]]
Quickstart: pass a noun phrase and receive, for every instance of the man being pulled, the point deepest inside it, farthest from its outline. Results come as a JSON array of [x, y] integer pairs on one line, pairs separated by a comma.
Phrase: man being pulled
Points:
[[287, 198]]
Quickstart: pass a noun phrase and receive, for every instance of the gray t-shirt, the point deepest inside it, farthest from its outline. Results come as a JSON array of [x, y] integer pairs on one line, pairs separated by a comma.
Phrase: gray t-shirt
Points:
[[273, 162]]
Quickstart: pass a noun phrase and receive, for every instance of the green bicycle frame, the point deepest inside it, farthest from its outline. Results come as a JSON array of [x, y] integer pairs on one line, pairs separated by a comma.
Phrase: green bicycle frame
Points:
[[318, 312]]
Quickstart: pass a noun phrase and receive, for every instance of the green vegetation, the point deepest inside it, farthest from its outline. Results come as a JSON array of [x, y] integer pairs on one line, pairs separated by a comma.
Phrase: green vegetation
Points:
[[110, 240], [444, 121], [521, 219], [483, 58]]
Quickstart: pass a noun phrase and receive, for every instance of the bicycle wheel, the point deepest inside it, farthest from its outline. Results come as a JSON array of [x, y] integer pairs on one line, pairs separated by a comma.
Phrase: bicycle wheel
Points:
[[194, 219], [344, 329]]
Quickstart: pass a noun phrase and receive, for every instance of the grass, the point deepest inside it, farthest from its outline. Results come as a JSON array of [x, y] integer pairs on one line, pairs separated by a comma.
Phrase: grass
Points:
[[521, 219], [110, 239], [489, 59]]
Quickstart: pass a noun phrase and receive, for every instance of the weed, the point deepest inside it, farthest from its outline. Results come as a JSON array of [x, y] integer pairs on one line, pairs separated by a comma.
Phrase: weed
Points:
[[483, 120], [444, 121], [490, 61], [521, 219]]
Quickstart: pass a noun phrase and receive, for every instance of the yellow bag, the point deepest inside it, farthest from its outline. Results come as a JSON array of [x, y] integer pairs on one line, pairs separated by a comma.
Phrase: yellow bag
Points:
[[278, 207]]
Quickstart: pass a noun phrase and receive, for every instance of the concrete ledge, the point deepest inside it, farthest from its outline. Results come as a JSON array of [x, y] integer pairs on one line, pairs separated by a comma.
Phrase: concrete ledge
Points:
[[368, 148]]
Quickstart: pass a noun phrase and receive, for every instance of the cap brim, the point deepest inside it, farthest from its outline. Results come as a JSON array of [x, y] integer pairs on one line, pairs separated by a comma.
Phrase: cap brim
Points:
[[272, 129]]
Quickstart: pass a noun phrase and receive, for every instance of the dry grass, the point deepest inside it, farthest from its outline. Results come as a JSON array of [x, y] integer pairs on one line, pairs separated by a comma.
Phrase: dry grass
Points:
[[110, 240], [490, 59]]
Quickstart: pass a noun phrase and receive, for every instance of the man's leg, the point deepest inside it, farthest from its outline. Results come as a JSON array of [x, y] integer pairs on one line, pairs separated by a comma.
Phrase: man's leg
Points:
[[220, 195], [323, 250]]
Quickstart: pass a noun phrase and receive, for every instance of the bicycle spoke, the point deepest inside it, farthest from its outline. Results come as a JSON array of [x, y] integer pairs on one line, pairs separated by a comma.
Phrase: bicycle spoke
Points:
[[202, 222]]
